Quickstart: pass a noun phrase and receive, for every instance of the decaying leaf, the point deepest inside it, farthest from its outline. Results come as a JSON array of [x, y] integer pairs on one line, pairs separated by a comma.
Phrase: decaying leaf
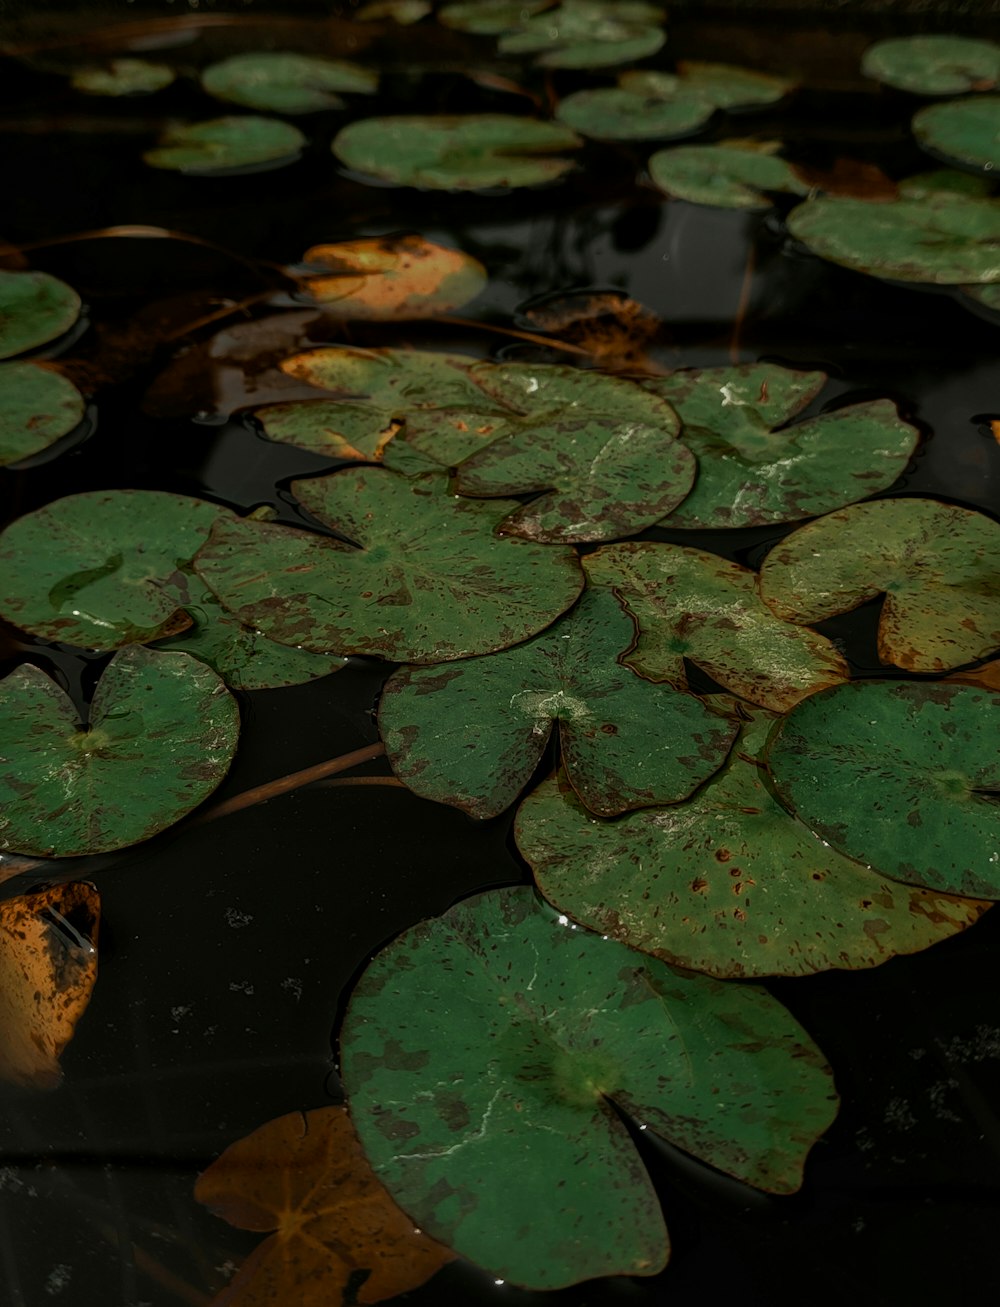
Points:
[[278, 82], [37, 407], [966, 130], [934, 65], [615, 330], [731, 176], [34, 309], [850, 177], [221, 145], [122, 77]]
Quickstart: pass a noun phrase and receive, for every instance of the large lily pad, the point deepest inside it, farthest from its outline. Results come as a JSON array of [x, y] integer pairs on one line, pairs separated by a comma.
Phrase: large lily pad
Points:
[[221, 145], [725, 176], [278, 82], [472, 735], [483, 1053], [588, 34], [393, 278], [37, 408], [34, 309], [935, 563], [933, 65], [454, 152], [161, 735], [752, 469], [692, 605], [726, 882], [122, 77], [427, 579], [902, 776], [965, 130]]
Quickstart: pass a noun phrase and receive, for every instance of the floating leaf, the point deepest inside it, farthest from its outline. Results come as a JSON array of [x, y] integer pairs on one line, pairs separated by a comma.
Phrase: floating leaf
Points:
[[392, 380], [335, 427], [725, 176], [902, 776], [935, 564], [122, 77], [615, 330], [393, 278], [726, 882], [456, 152], [37, 408], [34, 309], [693, 605], [726, 85], [484, 1054], [933, 65], [987, 676], [588, 34], [863, 181], [428, 580], [103, 568], [161, 735], [965, 130], [489, 17], [221, 145], [750, 473], [306, 1178], [927, 184], [472, 735], [286, 83], [48, 969]]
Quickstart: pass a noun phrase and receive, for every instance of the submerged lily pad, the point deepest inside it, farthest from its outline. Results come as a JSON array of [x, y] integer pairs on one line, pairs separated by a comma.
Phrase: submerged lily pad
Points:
[[965, 130], [227, 144], [161, 735], [472, 735], [122, 77], [902, 776], [725, 176], [693, 605], [34, 309], [37, 408], [457, 152], [286, 83], [726, 882], [933, 65], [588, 34], [935, 563], [484, 1054]]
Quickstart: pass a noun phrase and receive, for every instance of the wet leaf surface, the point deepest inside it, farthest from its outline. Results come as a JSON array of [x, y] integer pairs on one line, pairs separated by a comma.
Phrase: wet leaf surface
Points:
[[277, 82], [393, 278], [588, 34], [724, 176], [473, 735], [37, 408], [122, 77], [34, 309], [428, 581], [727, 882], [900, 775], [161, 735], [482, 1053], [305, 1177], [220, 145], [933, 65], [48, 969], [692, 605], [967, 130], [455, 152], [935, 564], [752, 469]]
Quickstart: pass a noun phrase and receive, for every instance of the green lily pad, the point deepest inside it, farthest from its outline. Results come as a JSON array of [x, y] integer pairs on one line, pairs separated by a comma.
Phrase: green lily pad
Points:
[[427, 580], [726, 882], [693, 605], [484, 1054], [935, 564], [588, 34], [902, 776], [472, 735], [925, 184], [456, 152], [724, 176], [489, 17], [122, 77], [933, 65], [103, 568], [726, 85], [34, 309], [752, 469], [943, 238], [286, 83], [227, 144], [391, 380], [966, 130], [37, 408], [335, 427], [161, 735]]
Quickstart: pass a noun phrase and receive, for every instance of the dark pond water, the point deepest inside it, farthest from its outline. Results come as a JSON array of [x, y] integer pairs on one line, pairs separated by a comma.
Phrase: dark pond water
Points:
[[226, 948]]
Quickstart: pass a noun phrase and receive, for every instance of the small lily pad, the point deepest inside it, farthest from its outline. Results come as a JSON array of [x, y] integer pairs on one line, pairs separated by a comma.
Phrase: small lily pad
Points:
[[286, 83], [454, 152], [967, 130], [221, 145], [588, 34], [724, 176], [37, 408], [489, 17], [933, 65], [935, 564], [34, 309], [122, 77], [902, 776], [925, 184], [161, 735]]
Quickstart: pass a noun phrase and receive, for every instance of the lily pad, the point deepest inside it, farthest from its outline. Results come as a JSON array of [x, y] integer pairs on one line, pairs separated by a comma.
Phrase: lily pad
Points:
[[286, 83], [692, 605], [305, 1178], [37, 408], [933, 65], [457, 152], [935, 563], [924, 184], [902, 776], [336, 427], [122, 77], [221, 145], [726, 882], [161, 735], [34, 309], [489, 17], [427, 579], [588, 34], [473, 735], [966, 130], [392, 380], [484, 1054], [103, 568], [403, 12], [724, 176], [752, 469]]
